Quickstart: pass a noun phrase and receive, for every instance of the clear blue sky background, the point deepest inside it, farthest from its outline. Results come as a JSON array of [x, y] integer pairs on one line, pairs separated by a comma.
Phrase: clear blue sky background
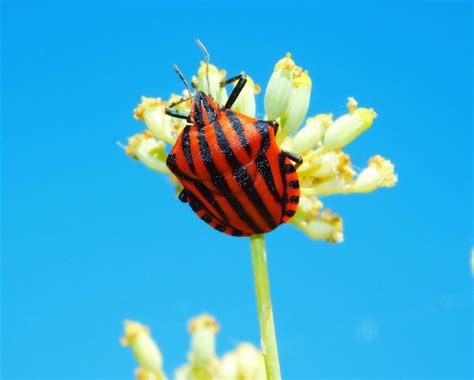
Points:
[[90, 237]]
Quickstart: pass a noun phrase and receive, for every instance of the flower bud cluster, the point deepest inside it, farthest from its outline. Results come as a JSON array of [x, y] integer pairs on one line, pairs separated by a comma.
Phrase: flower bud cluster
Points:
[[243, 363], [320, 139], [287, 96]]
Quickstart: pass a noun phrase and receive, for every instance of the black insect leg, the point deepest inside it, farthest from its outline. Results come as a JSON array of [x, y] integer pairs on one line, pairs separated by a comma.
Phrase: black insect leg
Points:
[[182, 196], [274, 124], [293, 157], [177, 113], [242, 80]]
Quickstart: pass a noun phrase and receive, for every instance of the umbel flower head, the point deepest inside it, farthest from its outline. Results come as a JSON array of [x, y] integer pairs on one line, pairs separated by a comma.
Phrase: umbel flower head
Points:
[[319, 139]]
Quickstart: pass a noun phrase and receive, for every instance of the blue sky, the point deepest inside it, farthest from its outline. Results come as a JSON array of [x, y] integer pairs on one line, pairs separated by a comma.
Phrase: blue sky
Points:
[[90, 237]]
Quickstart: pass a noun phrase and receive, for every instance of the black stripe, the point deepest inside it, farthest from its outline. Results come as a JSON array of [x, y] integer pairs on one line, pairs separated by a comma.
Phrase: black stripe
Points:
[[294, 184], [242, 176], [289, 169], [294, 199], [220, 183], [186, 147], [237, 126], [284, 200], [206, 218], [266, 172], [262, 128], [198, 116], [220, 227], [203, 190], [211, 113], [207, 194]]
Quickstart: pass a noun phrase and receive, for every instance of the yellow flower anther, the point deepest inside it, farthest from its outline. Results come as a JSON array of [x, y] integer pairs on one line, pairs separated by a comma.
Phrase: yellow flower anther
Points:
[[301, 78], [132, 330], [379, 173], [146, 103], [351, 104], [145, 350], [285, 63], [143, 374], [203, 321]]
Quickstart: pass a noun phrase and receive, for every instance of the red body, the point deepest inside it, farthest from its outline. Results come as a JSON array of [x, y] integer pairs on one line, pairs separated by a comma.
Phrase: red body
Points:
[[234, 174]]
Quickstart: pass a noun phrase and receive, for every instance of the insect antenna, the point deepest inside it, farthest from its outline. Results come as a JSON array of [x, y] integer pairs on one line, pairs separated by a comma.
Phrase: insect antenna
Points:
[[207, 58], [180, 74]]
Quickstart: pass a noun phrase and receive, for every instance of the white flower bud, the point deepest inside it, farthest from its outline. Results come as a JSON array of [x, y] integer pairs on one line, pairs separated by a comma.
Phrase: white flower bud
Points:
[[278, 89], [145, 350], [379, 173], [149, 151], [244, 363], [298, 103], [151, 110], [314, 130], [202, 356], [327, 226], [143, 374], [245, 103], [348, 127], [327, 165], [250, 363]]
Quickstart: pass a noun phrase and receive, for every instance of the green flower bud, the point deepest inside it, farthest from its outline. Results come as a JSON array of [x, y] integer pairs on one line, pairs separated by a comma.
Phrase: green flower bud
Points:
[[151, 110], [245, 103], [348, 127], [203, 329], [298, 103], [379, 173], [314, 130], [277, 93], [149, 151], [145, 350]]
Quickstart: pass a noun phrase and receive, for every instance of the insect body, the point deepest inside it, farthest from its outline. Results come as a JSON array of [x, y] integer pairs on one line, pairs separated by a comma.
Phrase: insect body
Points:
[[235, 176]]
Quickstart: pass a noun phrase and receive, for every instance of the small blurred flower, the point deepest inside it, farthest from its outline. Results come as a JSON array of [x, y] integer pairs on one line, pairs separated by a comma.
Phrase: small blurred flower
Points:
[[244, 363], [472, 261], [203, 363], [145, 350]]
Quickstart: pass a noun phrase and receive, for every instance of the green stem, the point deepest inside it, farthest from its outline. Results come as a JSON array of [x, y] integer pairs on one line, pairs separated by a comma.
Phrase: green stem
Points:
[[264, 307]]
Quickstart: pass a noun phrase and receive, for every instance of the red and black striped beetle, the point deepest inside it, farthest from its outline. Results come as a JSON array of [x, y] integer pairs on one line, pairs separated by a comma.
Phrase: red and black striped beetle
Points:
[[235, 176]]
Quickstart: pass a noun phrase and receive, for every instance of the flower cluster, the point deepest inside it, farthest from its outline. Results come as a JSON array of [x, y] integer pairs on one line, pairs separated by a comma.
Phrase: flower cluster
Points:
[[243, 363], [326, 169]]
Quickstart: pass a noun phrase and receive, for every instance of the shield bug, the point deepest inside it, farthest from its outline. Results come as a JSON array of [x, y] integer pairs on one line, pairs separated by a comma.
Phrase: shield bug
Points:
[[235, 177]]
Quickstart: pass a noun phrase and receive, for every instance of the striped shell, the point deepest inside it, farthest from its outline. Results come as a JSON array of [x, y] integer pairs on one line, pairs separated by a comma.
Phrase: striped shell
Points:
[[235, 176]]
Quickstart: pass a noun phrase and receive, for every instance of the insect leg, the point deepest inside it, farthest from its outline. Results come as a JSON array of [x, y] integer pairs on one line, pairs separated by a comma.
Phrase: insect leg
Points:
[[182, 196], [179, 101], [274, 125], [293, 157], [177, 113], [242, 80]]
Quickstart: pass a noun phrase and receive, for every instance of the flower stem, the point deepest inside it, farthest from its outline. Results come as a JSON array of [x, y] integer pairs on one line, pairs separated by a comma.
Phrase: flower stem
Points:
[[264, 307]]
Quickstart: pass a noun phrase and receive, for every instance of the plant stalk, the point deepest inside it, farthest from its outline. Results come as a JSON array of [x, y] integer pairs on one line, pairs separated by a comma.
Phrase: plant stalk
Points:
[[264, 307]]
